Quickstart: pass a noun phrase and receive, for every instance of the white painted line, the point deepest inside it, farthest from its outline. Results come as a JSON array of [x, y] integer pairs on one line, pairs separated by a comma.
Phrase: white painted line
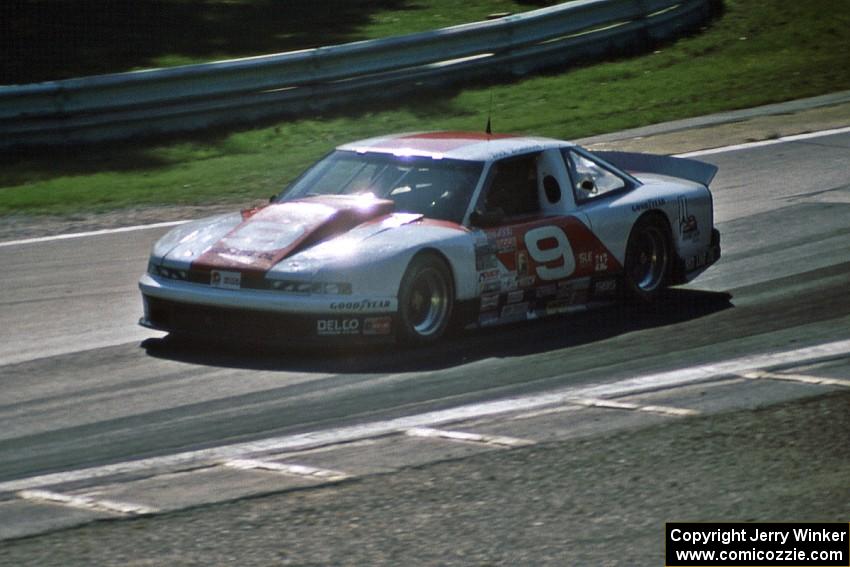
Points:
[[804, 379], [91, 233], [614, 404], [286, 468], [605, 404], [642, 384], [497, 440], [668, 410], [763, 143], [86, 502]]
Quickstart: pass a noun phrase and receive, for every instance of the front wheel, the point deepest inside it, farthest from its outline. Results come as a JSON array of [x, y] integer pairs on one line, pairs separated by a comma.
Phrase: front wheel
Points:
[[648, 259], [426, 298]]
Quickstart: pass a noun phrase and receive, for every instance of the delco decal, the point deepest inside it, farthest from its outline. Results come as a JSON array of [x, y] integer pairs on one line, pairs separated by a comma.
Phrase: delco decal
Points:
[[225, 280], [326, 327], [363, 306]]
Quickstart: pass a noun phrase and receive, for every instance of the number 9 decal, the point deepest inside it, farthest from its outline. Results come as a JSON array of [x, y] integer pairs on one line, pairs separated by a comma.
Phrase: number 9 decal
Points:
[[563, 251]]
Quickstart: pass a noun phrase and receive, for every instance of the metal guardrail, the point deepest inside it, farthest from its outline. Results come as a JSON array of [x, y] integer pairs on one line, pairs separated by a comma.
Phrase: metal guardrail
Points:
[[142, 103]]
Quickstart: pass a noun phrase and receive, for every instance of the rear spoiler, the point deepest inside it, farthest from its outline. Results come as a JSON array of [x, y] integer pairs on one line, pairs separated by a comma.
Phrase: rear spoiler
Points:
[[690, 169]]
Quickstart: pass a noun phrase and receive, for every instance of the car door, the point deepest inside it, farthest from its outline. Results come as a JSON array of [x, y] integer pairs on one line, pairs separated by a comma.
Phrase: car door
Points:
[[536, 254]]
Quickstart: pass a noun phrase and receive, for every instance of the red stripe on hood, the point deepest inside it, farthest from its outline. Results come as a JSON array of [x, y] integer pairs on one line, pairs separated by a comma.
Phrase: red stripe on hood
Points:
[[279, 230]]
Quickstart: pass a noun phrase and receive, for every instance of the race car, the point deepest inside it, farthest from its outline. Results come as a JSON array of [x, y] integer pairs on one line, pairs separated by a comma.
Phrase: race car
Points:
[[398, 236]]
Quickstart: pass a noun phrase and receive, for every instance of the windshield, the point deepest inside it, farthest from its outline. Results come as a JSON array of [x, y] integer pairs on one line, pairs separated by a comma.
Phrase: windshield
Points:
[[437, 188]]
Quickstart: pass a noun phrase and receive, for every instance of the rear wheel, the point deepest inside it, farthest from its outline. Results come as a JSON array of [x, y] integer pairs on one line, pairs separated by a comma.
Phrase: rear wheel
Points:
[[648, 259], [426, 299]]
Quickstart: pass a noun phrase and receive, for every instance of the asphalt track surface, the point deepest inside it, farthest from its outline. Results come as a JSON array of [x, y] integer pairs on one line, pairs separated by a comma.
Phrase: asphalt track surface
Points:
[[81, 385]]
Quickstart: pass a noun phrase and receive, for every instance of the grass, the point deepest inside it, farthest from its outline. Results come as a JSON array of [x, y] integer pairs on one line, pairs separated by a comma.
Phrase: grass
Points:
[[758, 52]]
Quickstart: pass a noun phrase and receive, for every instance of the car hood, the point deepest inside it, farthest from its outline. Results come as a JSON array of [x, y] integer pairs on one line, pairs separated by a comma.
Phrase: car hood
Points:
[[259, 239]]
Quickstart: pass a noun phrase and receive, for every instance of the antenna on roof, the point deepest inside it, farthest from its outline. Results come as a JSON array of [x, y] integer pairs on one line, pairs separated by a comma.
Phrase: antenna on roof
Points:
[[488, 130]]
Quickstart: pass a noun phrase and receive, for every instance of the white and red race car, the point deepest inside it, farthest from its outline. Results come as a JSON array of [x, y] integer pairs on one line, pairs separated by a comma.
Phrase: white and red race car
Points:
[[395, 236]]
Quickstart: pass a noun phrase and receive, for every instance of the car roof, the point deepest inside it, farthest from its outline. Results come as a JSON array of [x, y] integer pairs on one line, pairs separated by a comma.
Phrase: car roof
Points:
[[471, 146]]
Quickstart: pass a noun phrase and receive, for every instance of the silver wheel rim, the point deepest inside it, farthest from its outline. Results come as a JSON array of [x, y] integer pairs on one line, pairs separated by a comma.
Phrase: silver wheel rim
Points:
[[428, 302], [650, 259]]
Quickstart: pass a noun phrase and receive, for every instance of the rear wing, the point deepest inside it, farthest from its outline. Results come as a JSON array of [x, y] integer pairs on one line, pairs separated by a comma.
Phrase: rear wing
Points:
[[690, 169]]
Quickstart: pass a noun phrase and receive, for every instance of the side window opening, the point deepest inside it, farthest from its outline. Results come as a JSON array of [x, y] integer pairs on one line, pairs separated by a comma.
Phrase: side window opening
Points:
[[590, 180], [513, 187]]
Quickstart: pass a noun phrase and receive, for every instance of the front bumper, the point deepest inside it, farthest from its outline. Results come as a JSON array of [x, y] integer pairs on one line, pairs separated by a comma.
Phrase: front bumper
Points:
[[262, 316]]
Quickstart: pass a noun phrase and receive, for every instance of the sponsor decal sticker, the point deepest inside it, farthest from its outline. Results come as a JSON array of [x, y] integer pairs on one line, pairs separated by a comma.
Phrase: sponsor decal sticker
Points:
[[488, 276], [558, 306], [698, 261], [490, 287], [326, 327], [646, 205], [488, 281], [507, 244], [489, 301], [546, 290], [517, 311], [688, 226], [516, 296], [225, 280], [602, 262], [522, 263], [364, 305], [377, 325], [509, 282], [485, 256], [605, 287]]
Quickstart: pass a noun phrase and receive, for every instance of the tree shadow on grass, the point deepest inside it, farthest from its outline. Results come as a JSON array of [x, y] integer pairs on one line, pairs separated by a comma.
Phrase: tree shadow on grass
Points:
[[523, 339], [41, 41]]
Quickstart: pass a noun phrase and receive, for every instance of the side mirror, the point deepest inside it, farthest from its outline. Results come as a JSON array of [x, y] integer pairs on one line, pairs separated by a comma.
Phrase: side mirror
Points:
[[486, 219], [587, 184]]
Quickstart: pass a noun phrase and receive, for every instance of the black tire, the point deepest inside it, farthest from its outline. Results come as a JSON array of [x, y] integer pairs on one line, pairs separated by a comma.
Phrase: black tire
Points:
[[649, 259], [425, 300]]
